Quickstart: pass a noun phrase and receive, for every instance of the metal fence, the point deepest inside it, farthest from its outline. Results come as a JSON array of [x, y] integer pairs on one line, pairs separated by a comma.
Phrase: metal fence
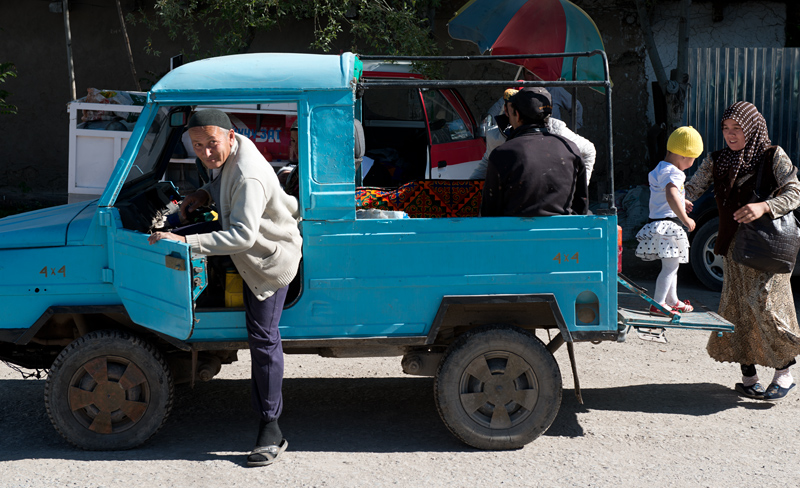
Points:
[[769, 78]]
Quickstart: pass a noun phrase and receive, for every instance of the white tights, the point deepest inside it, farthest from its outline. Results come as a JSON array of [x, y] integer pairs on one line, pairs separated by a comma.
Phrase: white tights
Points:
[[667, 282]]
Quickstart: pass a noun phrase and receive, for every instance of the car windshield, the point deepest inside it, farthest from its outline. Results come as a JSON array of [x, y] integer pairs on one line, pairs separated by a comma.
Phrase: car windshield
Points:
[[393, 108], [152, 147], [446, 122]]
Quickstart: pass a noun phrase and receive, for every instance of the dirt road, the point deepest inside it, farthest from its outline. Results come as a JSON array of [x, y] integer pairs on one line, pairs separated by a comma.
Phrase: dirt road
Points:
[[654, 415]]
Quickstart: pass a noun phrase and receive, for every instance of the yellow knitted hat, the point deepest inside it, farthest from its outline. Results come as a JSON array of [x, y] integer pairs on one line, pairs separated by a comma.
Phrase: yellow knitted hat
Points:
[[685, 141], [510, 92]]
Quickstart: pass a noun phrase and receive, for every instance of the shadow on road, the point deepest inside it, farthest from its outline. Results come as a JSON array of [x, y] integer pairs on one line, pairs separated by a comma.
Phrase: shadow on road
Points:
[[696, 399], [214, 421]]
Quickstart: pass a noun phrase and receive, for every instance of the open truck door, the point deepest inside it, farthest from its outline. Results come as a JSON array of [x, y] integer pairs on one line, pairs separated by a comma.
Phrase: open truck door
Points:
[[154, 283]]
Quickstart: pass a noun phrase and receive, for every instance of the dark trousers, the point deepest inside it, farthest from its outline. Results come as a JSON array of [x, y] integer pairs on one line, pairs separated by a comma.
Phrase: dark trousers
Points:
[[264, 338], [266, 352]]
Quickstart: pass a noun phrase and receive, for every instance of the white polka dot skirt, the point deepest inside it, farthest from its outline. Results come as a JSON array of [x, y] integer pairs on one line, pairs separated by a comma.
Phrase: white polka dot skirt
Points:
[[662, 239]]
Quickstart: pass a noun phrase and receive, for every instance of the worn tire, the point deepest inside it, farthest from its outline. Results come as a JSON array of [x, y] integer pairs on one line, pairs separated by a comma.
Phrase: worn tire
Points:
[[108, 390], [498, 387], [706, 265]]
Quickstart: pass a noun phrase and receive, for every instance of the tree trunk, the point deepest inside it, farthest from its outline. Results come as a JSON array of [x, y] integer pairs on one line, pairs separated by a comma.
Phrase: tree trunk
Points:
[[128, 46], [68, 35], [676, 85]]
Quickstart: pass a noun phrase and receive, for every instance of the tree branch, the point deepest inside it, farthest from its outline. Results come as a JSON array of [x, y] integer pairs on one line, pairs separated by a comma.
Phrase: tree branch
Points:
[[650, 45]]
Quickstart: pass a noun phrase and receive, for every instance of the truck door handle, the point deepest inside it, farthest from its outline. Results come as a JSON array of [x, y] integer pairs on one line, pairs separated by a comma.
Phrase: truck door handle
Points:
[[175, 262], [441, 164]]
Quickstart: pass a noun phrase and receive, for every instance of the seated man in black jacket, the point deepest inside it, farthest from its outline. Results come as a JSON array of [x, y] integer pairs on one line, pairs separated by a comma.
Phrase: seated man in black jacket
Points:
[[534, 173]]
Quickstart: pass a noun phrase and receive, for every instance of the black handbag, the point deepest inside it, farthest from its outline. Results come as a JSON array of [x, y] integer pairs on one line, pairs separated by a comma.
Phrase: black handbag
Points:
[[765, 244]]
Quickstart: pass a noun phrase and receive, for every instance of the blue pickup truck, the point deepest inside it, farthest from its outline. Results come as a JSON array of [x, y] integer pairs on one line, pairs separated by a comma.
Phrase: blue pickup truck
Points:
[[117, 322]]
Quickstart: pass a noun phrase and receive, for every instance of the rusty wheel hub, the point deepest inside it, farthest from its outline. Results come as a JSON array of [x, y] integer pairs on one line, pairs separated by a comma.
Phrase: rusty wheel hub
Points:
[[108, 394]]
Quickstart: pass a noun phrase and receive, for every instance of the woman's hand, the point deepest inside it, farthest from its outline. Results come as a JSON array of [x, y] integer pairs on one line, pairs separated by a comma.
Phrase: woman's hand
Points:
[[157, 236], [750, 212]]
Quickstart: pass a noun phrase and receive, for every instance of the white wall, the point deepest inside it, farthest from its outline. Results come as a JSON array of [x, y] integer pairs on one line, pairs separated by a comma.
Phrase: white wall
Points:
[[744, 24]]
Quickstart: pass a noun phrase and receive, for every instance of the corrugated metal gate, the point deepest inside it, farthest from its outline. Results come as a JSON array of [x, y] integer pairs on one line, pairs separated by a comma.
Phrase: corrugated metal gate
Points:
[[769, 78]]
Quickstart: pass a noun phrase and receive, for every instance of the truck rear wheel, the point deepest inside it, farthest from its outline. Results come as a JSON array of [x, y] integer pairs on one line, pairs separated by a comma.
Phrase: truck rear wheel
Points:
[[108, 390], [498, 387]]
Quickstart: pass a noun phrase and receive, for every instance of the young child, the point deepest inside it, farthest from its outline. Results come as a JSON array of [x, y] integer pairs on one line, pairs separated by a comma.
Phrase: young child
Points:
[[664, 236]]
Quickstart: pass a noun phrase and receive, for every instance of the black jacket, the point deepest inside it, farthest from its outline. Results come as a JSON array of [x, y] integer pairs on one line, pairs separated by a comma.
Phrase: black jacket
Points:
[[535, 173]]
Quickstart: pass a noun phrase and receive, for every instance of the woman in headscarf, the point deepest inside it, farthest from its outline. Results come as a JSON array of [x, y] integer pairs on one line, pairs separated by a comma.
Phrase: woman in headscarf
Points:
[[759, 304]]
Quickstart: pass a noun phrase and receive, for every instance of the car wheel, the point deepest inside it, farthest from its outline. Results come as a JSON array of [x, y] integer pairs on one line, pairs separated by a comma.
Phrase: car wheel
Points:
[[108, 390], [498, 387], [706, 265]]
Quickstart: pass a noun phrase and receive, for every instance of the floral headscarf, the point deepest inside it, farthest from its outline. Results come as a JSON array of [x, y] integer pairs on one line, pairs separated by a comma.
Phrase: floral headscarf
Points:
[[756, 136]]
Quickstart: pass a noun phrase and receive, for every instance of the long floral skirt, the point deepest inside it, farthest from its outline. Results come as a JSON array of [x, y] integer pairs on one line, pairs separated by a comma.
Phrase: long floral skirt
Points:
[[761, 307]]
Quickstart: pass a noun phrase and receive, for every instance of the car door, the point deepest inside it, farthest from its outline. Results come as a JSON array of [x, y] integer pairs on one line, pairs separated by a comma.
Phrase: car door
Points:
[[154, 282], [455, 150]]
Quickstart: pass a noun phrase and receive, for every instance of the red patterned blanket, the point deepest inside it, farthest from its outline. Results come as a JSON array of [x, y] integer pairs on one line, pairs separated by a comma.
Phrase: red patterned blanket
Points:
[[426, 199]]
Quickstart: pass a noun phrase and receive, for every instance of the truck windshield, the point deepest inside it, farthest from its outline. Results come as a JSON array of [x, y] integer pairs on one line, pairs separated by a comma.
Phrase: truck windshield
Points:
[[152, 147]]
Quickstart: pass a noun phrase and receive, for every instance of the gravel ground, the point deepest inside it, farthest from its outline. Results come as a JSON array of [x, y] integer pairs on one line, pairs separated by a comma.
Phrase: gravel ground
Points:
[[654, 414]]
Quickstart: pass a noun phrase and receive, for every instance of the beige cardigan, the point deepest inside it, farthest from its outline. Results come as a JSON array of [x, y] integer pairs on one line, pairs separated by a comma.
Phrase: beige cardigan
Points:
[[259, 222]]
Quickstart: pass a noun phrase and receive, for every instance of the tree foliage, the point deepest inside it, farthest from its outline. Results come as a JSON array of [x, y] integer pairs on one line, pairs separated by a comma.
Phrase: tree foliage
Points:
[[7, 70], [230, 26]]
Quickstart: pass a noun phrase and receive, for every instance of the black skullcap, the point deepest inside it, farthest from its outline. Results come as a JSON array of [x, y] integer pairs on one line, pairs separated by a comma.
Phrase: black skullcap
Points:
[[533, 102], [210, 116]]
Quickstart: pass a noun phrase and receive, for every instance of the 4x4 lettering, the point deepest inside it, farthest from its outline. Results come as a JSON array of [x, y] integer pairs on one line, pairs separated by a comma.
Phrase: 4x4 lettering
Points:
[[62, 271], [566, 258]]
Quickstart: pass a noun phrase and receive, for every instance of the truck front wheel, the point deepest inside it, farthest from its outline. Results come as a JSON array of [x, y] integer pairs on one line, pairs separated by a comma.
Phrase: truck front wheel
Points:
[[498, 387], [108, 390]]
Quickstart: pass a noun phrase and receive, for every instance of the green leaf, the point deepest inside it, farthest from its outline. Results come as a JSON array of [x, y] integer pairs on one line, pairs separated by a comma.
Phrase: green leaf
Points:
[[7, 70]]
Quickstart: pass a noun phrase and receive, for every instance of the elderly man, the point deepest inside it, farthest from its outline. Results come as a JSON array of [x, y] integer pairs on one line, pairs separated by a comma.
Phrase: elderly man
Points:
[[259, 231], [534, 173]]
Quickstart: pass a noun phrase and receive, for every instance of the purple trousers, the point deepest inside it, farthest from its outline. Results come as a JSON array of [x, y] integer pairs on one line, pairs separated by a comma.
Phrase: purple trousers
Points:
[[266, 352]]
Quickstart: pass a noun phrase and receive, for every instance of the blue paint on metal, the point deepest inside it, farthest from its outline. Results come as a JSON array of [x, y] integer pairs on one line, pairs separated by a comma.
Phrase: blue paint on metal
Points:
[[156, 295], [199, 276], [40, 228], [362, 278], [125, 161], [387, 278], [238, 76], [80, 226], [34, 279]]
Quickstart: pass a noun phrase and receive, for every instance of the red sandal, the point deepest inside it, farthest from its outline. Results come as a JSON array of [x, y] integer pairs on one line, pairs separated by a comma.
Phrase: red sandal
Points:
[[658, 313], [683, 307]]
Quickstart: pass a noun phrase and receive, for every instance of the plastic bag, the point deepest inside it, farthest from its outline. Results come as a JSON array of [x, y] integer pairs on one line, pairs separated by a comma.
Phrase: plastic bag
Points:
[[106, 97], [374, 213]]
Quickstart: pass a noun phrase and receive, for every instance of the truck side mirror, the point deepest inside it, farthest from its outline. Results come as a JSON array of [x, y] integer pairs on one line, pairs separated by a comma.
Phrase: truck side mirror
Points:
[[486, 124], [178, 119]]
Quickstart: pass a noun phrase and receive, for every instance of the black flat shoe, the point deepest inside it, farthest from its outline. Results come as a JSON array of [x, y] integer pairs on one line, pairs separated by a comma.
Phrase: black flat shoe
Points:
[[755, 391], [775, 392], [266, 455]]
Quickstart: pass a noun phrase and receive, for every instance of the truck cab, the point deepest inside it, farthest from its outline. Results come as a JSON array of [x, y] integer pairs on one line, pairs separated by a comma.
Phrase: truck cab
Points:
[[469, 300]]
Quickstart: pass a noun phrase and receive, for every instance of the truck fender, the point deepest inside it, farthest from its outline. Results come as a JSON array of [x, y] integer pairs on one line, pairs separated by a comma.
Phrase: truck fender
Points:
[[22, 337], [534, 311], [29, 333]]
